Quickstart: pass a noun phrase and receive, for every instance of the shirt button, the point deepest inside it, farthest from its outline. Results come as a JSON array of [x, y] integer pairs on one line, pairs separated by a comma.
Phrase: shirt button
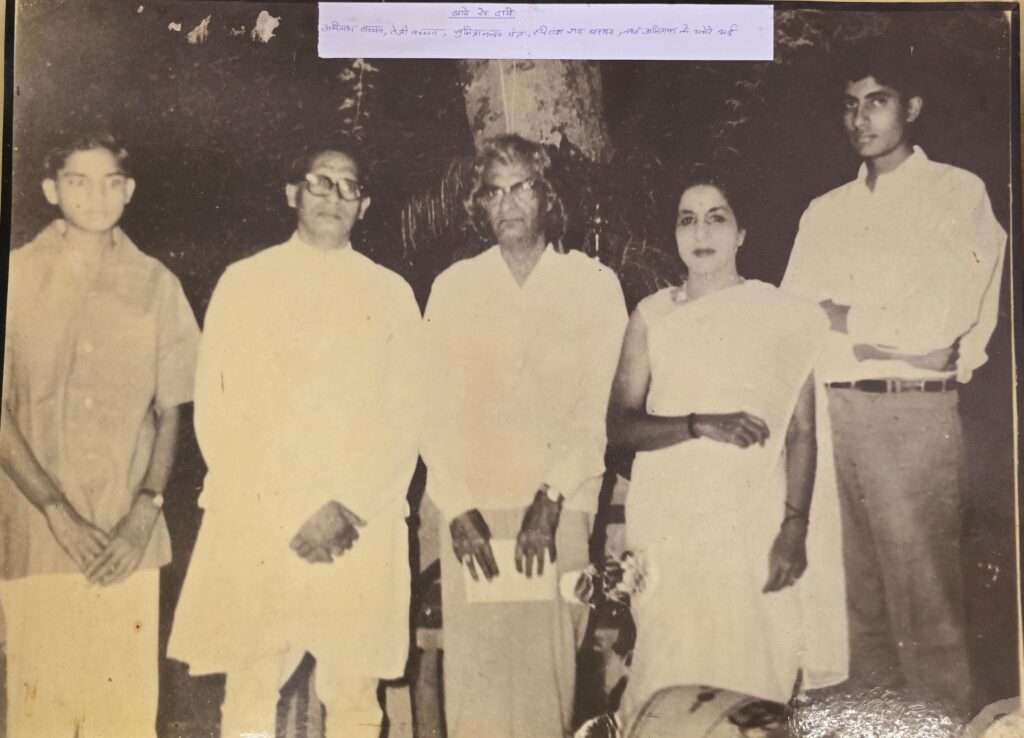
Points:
[[87, 347], [88, 403]]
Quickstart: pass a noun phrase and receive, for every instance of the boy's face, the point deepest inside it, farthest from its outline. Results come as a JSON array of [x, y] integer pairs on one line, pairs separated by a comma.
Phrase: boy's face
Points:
[[91, 190], [876, 118]]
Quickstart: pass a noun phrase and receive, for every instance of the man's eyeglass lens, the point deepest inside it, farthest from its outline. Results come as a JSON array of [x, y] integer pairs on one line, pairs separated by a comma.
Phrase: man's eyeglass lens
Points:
[[521, 191], [321, 185]]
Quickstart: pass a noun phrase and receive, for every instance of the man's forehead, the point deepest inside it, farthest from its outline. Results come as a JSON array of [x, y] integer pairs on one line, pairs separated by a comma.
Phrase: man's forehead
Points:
[[334, 161], [868, 86], [514, 171]]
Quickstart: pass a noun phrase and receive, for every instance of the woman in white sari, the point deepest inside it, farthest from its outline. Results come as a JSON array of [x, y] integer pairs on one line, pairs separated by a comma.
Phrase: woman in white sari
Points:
[[715, 393]]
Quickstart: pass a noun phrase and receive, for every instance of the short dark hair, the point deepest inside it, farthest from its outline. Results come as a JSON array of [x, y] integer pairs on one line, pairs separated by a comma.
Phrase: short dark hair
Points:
[[511, 149], [57, 157], [722, 179], [892, 62], [302, 162]]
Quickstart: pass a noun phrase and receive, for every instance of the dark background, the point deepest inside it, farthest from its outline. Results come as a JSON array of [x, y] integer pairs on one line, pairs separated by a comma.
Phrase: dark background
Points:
[[211, 127]]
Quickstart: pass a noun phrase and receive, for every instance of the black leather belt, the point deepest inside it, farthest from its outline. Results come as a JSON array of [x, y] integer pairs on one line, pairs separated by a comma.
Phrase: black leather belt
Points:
[[897, 385]]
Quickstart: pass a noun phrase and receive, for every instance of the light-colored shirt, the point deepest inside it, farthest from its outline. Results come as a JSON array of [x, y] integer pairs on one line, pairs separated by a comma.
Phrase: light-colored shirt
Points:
[[918, 260], [85, 366], [307, 388], [519, 379]]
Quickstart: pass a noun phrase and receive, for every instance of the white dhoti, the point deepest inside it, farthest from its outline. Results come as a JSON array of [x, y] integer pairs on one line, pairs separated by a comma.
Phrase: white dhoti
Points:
[[81, 659]]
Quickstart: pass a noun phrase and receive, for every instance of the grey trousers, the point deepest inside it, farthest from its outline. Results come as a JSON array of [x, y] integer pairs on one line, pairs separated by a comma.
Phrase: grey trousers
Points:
[[899, 460]]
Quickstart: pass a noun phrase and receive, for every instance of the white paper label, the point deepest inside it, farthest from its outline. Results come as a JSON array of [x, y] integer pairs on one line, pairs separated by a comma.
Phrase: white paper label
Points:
[[493, 31]]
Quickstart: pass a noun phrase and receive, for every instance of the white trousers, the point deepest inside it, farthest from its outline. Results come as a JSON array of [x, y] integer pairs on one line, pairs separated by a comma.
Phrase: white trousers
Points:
[[251, 697], [81, 659]]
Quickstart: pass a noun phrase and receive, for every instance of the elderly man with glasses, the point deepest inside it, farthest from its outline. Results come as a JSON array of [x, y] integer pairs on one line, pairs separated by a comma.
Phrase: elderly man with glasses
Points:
[[306, 414], [522, 342]]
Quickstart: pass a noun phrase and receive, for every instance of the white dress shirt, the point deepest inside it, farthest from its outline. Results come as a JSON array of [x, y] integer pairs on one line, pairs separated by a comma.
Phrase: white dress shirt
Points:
[[918, 260], [519, 378]]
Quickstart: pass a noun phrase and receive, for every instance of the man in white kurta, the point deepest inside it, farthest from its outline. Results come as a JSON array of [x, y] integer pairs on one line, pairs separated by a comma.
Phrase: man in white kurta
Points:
[[306, 414], [522, 343]]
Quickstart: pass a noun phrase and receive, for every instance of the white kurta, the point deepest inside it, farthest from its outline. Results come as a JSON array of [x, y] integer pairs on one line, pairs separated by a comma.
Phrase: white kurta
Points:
[[520, 378], [706, 513], [307, 391]]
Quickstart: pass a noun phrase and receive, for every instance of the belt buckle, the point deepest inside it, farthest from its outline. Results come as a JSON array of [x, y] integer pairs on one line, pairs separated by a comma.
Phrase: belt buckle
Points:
[[912, 385]]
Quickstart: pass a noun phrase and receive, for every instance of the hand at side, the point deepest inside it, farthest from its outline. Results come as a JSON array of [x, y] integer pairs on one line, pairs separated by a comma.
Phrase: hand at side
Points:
[[537, 534], [330, 531], [471, 541], [787, 560]]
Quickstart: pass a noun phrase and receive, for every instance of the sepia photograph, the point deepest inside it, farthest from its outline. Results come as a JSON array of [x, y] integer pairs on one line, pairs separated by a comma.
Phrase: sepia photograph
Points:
[[495, 370]]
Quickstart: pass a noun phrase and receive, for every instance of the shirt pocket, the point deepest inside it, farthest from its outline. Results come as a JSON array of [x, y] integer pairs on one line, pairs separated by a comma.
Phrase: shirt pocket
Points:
[[114, 358]]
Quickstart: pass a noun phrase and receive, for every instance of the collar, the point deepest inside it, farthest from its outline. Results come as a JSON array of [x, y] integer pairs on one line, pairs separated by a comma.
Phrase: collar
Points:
[[500, 263], [905, 172], [297, 241], [53, 237]]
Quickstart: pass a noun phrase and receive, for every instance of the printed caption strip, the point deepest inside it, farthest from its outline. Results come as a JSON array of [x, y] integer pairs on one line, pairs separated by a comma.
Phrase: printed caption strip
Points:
[[494, 31]]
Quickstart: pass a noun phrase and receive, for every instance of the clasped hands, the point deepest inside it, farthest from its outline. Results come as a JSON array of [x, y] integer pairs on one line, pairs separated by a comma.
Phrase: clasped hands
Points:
[[328, 533], [471, 539], [104, 558]]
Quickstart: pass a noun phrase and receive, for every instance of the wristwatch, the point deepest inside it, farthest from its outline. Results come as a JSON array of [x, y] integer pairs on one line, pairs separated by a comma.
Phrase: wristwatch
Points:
[[155, 497], [552, 494]]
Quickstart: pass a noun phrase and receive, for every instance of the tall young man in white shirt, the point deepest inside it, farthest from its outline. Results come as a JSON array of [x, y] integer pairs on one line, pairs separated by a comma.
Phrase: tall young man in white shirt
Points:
[[307, 416], [906, 260], [522, 343]]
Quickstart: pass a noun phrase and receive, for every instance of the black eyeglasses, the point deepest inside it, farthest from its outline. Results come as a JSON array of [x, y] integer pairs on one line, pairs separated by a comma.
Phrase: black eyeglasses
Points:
[[321, 185]]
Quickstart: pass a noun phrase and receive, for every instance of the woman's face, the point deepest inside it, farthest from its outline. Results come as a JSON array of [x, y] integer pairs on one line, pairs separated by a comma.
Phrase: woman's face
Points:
[[707, 233]]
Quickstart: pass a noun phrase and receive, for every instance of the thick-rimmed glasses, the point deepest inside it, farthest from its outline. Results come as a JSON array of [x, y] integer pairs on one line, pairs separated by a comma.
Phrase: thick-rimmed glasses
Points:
[[522, 192], [321, 185]]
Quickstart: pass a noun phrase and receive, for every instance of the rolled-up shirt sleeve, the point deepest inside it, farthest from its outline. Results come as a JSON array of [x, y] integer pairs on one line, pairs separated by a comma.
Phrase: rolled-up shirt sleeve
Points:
[[989, 249], [178, 346]]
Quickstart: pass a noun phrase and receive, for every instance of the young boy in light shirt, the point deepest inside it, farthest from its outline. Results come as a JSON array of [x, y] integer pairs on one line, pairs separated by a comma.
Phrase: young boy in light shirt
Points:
[[100, 352]]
